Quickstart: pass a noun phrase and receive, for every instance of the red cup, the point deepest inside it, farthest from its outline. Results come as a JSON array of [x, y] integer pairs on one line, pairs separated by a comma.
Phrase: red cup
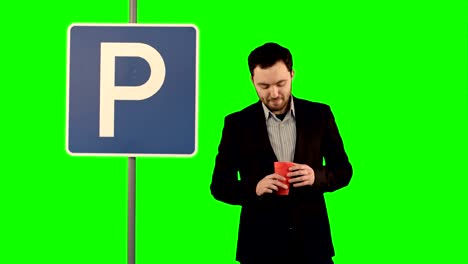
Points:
[[282, 168]]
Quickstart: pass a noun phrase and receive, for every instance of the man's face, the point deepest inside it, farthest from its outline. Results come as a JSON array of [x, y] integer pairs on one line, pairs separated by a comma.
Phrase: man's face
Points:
[[273, 86]]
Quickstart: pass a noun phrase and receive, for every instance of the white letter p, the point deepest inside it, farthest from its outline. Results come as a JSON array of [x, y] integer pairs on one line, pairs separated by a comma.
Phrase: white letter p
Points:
[[109, 92]]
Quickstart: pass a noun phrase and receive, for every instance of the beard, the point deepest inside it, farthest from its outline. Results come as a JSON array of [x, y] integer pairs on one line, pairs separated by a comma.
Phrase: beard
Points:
[[279, 104]]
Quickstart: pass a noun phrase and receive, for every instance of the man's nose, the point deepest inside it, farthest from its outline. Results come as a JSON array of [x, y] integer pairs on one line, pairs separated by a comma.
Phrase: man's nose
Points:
[[274, 92]]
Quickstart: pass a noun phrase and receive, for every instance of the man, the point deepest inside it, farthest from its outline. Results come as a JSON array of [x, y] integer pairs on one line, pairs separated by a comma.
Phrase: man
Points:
[[290, 229]]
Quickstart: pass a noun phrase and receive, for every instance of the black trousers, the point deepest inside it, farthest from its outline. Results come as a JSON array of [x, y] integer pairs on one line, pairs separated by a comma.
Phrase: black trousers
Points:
[[292, 253], [292, 261]]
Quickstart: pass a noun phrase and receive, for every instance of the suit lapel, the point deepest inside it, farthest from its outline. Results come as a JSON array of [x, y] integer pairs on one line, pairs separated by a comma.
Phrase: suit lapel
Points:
[[300, 130], [261, 128]]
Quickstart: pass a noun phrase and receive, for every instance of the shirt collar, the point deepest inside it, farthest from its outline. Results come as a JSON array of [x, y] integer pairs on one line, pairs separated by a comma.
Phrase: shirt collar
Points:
[[268, 113]]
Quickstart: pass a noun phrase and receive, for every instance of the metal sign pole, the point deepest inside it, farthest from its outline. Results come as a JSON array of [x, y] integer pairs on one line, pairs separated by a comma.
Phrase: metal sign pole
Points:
[[133, 11], [131, 177], [131, 210]]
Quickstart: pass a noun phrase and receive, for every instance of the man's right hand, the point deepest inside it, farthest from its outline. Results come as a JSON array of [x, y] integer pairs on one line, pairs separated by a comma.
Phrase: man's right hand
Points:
[[270, 183]]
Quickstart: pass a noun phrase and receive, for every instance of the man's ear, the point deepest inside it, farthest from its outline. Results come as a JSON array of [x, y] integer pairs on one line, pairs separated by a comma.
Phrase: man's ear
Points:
[[292, 74]]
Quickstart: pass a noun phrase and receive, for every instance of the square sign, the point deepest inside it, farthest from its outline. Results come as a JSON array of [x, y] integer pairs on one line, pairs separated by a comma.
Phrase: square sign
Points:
[[132, 90]]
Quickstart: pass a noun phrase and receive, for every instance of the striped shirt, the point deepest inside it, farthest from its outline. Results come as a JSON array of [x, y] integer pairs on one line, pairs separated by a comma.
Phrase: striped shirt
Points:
[[282, 133]]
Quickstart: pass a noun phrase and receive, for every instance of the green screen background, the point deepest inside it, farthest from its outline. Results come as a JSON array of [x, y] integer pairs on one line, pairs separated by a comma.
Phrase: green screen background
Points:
[[394, 73]]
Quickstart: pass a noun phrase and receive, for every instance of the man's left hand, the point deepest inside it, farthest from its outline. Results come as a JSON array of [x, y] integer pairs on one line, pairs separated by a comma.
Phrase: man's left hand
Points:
[[301, 175]]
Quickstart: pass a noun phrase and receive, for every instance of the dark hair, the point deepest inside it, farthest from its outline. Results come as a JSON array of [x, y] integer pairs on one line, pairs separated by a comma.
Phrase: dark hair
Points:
[[267, 55]]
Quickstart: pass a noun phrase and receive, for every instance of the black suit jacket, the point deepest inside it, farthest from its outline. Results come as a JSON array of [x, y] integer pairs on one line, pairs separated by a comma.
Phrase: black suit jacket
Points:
[[301, 217]]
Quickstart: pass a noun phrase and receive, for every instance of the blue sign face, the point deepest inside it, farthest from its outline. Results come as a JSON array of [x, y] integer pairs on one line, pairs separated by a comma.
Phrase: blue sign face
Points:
[[132, 90]]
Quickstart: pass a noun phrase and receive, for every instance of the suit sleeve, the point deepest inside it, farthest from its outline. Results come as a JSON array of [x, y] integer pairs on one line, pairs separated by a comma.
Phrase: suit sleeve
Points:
[[337, 171], [225, 185]]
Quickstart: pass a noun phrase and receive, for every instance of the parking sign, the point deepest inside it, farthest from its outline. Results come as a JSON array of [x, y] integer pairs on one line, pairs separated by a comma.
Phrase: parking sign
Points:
[[132, 90]]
